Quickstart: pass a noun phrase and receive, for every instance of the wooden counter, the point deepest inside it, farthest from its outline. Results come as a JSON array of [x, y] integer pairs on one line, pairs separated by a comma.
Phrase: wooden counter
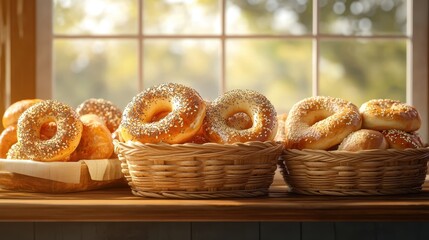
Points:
[[121, 205]]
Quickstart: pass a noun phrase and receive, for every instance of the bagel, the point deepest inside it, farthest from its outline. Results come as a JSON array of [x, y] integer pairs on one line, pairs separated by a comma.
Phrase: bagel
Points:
[[256, 106], [320, 122], [7, 139], [62, 144], [400, 140], [96, 141], [385, 114], [186, 111], [106, 110], [364, 139], [12, 113]]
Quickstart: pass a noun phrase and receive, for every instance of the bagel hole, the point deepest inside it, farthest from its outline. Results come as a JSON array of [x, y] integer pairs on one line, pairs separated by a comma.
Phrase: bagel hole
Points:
[[317, 117], [240, 121], [159, 115], [316, 120], [48, 130]]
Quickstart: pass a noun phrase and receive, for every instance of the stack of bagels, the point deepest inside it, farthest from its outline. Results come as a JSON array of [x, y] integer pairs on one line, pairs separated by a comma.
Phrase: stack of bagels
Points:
[[50, 131], [328, 123], [173, 113]]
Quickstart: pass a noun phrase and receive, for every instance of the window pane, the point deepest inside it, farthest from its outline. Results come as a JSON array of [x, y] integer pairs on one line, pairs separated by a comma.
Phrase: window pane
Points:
[[363, 17], [194, 63], [95, 68], [95, 16], [181, 17], [362, 70], [279, 69], [269, 16]]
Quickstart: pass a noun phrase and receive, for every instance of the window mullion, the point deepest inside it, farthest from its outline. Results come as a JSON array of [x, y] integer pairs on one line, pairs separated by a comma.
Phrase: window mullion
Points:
[[44, 48], [223, 48], [417, 61], [140, 40], [315, 50]]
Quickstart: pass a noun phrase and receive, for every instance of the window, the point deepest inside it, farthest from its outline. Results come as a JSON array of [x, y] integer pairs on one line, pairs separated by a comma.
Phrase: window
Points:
[[285, 49]]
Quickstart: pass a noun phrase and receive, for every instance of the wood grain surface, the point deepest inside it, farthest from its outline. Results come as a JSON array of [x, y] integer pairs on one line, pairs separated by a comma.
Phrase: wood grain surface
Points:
[[119, 204]]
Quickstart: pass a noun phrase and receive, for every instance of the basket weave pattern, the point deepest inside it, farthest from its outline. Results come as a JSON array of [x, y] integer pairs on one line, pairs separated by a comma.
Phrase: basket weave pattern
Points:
[[199, 170], [370, 172]]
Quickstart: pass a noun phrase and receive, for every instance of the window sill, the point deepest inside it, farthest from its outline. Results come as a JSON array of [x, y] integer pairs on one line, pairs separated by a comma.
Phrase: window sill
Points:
[[120, 205]]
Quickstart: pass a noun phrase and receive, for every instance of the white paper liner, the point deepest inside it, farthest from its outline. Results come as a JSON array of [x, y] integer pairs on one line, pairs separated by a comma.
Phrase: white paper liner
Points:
[[67, 172], [106, 169]]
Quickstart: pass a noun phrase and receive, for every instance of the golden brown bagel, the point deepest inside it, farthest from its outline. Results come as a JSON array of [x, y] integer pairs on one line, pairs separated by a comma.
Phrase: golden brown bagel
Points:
[[109, 112], [253, 104], [363, 139], [186, 110], [399, 139], [14, 111], [96, 141], [321, 122], [7, 139], [385, 114], [62, 144]]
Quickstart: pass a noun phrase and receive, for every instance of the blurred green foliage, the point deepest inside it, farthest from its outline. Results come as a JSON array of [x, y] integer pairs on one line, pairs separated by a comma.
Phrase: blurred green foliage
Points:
[[355, 69]]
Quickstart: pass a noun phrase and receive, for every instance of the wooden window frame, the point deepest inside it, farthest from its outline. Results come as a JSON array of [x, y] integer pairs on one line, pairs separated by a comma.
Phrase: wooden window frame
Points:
[[27, 53], [18, 51]]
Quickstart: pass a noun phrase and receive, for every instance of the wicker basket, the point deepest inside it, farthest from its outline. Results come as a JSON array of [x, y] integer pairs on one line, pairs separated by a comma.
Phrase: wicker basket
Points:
[[199, 170], [369, 172]]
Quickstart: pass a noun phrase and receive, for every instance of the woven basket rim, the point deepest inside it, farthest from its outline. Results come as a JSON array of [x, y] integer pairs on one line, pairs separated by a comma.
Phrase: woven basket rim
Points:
[[206, 148], [343, 152], [238, 144]]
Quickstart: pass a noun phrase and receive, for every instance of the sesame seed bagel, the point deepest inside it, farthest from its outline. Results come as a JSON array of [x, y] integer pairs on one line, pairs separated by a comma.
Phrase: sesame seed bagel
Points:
[[186, 111], [263, 117], [398, 139], [62, 144], [320, 122], [8, 138], [16, 152], [109, 112], [385, 114]]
